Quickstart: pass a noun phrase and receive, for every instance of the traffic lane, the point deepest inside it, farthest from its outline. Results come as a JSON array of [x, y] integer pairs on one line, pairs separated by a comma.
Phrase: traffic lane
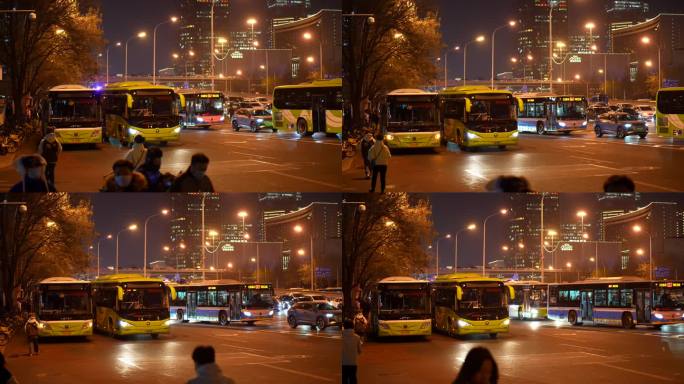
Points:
[[535, 352], [576, 163], [239, 162], [248, 354]]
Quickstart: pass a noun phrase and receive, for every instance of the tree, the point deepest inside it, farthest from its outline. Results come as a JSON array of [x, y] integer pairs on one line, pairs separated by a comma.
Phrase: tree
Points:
[[46, 236], [393, 49], [57, 47], [383, 235]]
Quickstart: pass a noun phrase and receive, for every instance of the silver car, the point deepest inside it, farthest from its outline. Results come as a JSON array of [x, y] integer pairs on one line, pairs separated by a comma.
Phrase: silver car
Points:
[[319, 314], [620, 124]]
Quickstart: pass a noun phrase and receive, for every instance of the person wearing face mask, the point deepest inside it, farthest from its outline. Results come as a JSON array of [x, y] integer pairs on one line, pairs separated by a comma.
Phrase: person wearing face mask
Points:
[[31, 168], [156, 181], [137, 153], [208, 372], [195, 178], [50, 149], [124, 179]]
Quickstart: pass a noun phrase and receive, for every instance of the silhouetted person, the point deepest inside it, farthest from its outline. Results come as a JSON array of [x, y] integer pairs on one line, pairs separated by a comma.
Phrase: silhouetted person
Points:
[[379, 155], [351, 349], [195, 178], [479, 367], [510, 184], [6, 376], [205, 366], [619, 184], [31, 168]]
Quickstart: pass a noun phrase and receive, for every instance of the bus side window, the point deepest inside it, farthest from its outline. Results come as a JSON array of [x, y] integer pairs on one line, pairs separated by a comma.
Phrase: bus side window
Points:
[[626, 297], [201, 298], [221, 298], [553, 295], [613, 298], [600, 298]]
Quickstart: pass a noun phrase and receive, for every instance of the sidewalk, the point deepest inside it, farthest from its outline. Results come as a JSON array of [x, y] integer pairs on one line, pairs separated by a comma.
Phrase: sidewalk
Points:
[[30, 145]]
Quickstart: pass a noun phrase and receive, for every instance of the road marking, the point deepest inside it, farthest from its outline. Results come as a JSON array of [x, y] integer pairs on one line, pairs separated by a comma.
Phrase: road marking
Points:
[[293, 371], [335, 186], [249, 349], [656, 186], [581, 346], [637, 372]]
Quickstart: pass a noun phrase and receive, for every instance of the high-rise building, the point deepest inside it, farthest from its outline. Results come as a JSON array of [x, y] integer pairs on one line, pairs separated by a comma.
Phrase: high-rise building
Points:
[[524, 228], [276, 204], [533, 32], [186, 227], [622, 14], [282, 12], [195, 32]]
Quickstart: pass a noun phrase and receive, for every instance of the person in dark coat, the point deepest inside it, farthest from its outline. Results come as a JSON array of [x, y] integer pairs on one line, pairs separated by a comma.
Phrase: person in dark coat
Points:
[[50, 149], [156, 181], [194, 179], [31, 168], [479, 367], [124, 179], [6, 376]]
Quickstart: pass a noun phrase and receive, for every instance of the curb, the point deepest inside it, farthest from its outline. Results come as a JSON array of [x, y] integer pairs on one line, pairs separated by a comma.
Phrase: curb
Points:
[[29, 146]]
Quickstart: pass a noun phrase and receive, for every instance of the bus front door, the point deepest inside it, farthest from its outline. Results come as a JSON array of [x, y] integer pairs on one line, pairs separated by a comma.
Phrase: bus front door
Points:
[[643, 305], [192, 305], [586, 305], [318, 119], [235, 302]]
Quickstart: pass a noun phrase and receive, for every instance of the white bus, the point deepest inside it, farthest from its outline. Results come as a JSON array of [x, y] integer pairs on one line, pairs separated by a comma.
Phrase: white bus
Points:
[[63, 307], [530, 301], [545, 113], [73, 114], [400, 306], [410, 119]]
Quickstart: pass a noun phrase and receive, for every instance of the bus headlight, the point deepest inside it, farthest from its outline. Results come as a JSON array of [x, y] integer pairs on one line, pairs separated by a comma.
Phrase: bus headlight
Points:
[[247, 313], [270, 313], [389, 137], [177, 130], [133, 132], [471, 136], [87, 324], [123, 324], [199, 119], [507, 322], [658, 316], [260, 120], [462, 323], [515, 134], [329, 315], [43, 324], [628, 125], [437, 136], [167, 322], [222, 118], [562, 124]]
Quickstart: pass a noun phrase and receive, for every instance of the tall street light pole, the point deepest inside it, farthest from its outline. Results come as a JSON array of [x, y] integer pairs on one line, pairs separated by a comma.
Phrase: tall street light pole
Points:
[[638, 229], [470, 227], [509, 24], [299, 229], [131, 227], [163, 212], [478, 39], [484, 237], [551, 3], [154, 47], [140, 35], [647, 40], [108, 237], [117, 44], [447, 236], [446, 70]]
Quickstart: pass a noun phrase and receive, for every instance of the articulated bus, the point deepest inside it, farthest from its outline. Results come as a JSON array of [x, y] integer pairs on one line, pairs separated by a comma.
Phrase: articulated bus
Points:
[[478, 116], [201, 108], [410, 119], [308, 108], [223, 301], [63, 307], [139, 108], [670, 113], [543, 113], [73, 114], [129, 304], [400, 306], [620, 301], [467, 303], [530, 301]]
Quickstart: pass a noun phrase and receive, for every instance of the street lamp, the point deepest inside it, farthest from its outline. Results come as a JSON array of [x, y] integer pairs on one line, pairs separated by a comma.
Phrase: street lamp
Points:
[[173, 19], [131, 228], [469, 227], [484, 237], [242, 215], [446, 74], [447, 236], [163, 212], [647, 41], [140, 35], [638, 229], [299, 229], [117, 44], [478, 39], [108, 237], [308, 36], [511, 24]]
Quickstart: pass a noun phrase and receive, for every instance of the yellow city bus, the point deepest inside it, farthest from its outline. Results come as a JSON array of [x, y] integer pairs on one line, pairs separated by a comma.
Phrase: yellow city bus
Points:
[[467, 303], [129, 304], [63, 307], [73, 114], [530, 301], [410, 119], [139, 108], [670, 112], [308, 108], [478, 116], [400, 306]]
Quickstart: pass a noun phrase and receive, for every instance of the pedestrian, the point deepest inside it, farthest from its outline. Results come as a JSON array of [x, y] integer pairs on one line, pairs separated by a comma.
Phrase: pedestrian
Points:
[[479, 367], [31, 329], [194, 179], [50, 149], [156, 181], [137, 153], [205, 366], [379, 155], [31, 168], [366, 144], [6, 376], [351, 349], [619, 184], [124, 179]]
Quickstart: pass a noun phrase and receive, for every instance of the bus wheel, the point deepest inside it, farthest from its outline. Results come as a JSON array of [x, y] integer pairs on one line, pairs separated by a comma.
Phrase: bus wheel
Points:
[[572, 317], [502, 147], [236, 127], [302, 128], [320, 323], [620, 134], [251, 323], [598, 131], [223, 318], [540, 128], [252, 127], [627, 321], [155, 335], [179, 315], [658, 327], [292, 322], [493, 335]]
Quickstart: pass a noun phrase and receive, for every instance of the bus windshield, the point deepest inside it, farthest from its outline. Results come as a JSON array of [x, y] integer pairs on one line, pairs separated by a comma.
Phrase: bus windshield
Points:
[[135, 299], [491, 109], [571, 109], [538, 297], [64, 302], [152, 105], [671, 102], [410, 115], [258, 298], [73, 108], [403, 301], [209, 106], [482, 298], [668, 298]]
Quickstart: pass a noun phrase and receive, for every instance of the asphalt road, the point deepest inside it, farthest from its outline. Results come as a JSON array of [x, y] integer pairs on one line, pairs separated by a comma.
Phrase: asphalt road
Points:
[[552, 163], [263, 353], [239, 162], [535, 353]]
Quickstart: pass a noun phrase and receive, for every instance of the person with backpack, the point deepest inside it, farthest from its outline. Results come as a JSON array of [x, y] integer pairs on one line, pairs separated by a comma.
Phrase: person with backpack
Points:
[[137, 153], [50, 149], [31, 330]]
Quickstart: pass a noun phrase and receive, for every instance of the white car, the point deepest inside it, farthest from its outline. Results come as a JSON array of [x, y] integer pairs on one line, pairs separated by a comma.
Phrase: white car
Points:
[[646, 112]]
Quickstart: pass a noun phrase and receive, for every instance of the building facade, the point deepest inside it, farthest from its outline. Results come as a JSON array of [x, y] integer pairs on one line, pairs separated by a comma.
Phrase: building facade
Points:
[[195, 33], [524, 228], [186, 227]]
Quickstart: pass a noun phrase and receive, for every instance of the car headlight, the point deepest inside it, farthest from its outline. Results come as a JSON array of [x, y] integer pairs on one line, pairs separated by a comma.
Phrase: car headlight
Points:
[[462, 323], [247, 313], [260, 120], [222, 118], [584, 123], [270, 313], [329, 315], [628, 125], [515, 134], [561, 124], [133, 132], [200, 119], [42, 325], [437, 136], [177, 130], [87, 324], [658, 316], [167, 322], [507, 322], [123, 324], [471, 136], [389, 137]]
